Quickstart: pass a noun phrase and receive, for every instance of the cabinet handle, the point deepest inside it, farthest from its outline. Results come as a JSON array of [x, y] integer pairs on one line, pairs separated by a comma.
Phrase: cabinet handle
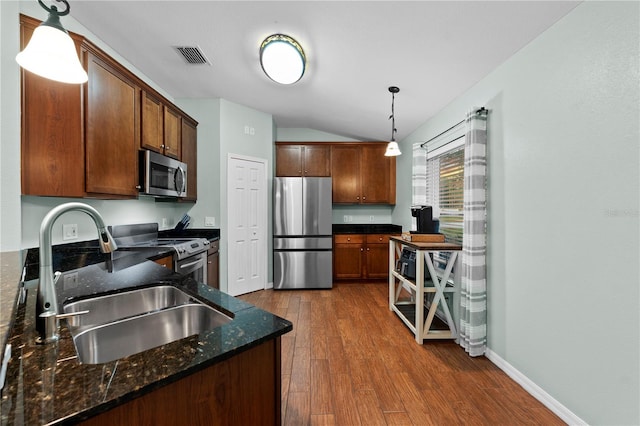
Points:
[[364, 198], [138, 187], [361, 249], [358, 197], [367, 248], [348, 239], [162, 146]]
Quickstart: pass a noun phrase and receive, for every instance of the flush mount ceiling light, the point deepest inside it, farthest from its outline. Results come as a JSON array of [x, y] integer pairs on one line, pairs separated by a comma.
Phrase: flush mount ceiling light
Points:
[[51, 52], [282, 59], [392, 147]]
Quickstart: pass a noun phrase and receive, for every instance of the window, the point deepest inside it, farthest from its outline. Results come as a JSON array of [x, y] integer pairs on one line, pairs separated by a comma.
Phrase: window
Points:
[[445, 191]]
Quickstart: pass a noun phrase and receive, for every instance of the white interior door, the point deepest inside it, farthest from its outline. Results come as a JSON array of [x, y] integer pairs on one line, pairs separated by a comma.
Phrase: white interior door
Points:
[[247, 219]]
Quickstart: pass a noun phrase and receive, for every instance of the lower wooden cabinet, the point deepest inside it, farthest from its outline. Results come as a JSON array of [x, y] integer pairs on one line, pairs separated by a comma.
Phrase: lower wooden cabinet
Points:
[[166, 261], [348, 253], [360, 256], [242, 390]]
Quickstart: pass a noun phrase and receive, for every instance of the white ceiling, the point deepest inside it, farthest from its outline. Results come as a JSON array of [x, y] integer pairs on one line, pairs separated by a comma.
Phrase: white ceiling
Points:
[[433, 51]]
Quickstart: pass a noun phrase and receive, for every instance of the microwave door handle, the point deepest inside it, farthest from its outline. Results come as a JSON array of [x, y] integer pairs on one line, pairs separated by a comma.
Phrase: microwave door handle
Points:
[[180, 187]]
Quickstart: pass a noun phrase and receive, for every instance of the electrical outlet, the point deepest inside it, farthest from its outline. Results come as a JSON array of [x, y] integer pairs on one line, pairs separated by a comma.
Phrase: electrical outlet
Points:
[[371, 218], [164, 222], [209, 221], [345, 218], [69, 231], [70, 281], [350, 218]]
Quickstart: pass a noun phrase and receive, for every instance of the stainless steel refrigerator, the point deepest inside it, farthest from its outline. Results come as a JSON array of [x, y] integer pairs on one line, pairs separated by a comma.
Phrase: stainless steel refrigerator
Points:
[[302, 228]]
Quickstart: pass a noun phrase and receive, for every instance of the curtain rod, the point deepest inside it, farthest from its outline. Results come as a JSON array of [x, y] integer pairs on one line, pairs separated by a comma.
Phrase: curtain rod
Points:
[[479, 111]]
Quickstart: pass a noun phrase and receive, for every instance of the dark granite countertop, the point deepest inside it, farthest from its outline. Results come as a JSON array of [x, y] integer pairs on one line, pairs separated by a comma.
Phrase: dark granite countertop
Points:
[[46, 384], [366, 228]]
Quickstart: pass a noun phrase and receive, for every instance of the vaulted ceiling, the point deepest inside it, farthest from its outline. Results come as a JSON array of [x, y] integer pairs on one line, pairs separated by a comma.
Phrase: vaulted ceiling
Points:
[[432, 50]]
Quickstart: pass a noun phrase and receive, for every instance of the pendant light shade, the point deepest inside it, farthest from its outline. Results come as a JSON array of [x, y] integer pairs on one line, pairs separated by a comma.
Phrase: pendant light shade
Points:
[[51, 52], [282, 59], [393, 149]]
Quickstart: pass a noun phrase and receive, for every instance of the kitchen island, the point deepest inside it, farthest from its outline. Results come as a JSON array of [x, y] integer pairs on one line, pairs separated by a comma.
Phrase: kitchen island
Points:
[[210, 378]]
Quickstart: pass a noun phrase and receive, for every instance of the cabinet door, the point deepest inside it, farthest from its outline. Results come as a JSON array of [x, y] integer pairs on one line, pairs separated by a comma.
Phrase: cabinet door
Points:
[[378, 176], [213, 265], [190, 157], [112, 130], [317, 161], [52, 140], [348, 253], [166, 262], [345, 173], [288, 160], [172, 133], [152, 123], [377, 253]]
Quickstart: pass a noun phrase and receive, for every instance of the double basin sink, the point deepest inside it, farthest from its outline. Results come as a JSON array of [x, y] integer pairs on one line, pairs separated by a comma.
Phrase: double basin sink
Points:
[[113, 326]]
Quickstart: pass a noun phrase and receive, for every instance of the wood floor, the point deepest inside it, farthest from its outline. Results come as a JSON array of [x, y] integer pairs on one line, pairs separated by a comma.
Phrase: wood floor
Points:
[[350, 361]]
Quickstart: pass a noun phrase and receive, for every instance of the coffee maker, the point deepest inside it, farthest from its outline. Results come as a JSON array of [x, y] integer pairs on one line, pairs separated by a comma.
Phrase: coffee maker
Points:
[[425, 224]]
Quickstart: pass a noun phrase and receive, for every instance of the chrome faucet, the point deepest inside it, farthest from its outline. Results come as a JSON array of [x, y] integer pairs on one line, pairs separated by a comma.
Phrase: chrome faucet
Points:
[[47, 304]]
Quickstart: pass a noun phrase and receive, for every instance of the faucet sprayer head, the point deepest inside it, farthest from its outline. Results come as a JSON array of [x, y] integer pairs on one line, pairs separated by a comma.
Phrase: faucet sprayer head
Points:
[[106, 241]]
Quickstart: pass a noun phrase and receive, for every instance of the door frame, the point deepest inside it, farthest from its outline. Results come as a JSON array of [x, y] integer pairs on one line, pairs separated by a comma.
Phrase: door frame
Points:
[[263, 215]]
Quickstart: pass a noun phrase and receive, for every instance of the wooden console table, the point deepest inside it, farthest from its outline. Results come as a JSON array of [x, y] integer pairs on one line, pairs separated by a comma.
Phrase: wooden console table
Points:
[[412, 314]]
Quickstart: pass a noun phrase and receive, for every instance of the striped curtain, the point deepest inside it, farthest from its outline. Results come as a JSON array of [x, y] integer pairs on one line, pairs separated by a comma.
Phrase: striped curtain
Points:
[[473, 294]]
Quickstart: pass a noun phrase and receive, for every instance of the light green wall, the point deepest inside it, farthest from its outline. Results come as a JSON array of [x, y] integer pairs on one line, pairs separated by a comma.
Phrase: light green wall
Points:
[[207, 113], [10, 222], [309, 135], [234, 140], [563, 221]]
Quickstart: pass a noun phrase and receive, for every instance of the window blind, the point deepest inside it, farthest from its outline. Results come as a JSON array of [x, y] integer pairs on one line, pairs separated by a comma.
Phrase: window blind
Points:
[[445, 191]]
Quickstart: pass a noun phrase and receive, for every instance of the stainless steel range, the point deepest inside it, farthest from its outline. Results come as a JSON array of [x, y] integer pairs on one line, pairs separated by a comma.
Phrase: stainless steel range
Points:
[[189, 254]]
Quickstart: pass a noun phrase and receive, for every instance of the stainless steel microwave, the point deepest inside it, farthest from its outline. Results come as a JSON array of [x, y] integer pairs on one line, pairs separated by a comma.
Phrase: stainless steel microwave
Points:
[[161, 175]]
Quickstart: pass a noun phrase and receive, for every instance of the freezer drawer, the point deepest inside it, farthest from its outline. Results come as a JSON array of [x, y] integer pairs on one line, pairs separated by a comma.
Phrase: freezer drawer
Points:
[[303, 243], [302, 269]]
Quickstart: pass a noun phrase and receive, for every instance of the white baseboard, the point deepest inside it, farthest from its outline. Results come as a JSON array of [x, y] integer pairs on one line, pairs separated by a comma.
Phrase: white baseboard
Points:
[[536, 391]]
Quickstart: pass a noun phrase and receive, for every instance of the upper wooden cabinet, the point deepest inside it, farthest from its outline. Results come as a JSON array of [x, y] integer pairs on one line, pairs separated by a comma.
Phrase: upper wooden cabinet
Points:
[[52, 131], [161, 126], [345, 171], [190, 156], [172, 133], [83, 140], [112, 128], [152, 122], [362, 174], [311, 160]]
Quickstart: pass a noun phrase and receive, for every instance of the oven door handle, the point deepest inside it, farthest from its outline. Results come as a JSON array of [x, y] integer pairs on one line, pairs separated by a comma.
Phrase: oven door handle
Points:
[[190, 264]]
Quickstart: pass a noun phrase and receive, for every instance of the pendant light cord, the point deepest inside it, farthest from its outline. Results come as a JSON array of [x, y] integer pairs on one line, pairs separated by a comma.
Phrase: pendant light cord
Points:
[[392, 117]]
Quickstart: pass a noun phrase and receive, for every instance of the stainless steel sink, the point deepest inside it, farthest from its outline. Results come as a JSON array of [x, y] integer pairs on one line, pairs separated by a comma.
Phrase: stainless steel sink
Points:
[[118, 339], [112, 307]]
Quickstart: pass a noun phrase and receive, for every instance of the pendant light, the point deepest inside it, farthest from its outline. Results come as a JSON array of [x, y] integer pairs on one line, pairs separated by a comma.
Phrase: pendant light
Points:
[[282, 59], [51, 52], [393, 149]]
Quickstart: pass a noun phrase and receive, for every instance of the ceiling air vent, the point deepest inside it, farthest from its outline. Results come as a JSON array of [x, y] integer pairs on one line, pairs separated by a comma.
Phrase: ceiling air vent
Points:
[[193, 55]]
